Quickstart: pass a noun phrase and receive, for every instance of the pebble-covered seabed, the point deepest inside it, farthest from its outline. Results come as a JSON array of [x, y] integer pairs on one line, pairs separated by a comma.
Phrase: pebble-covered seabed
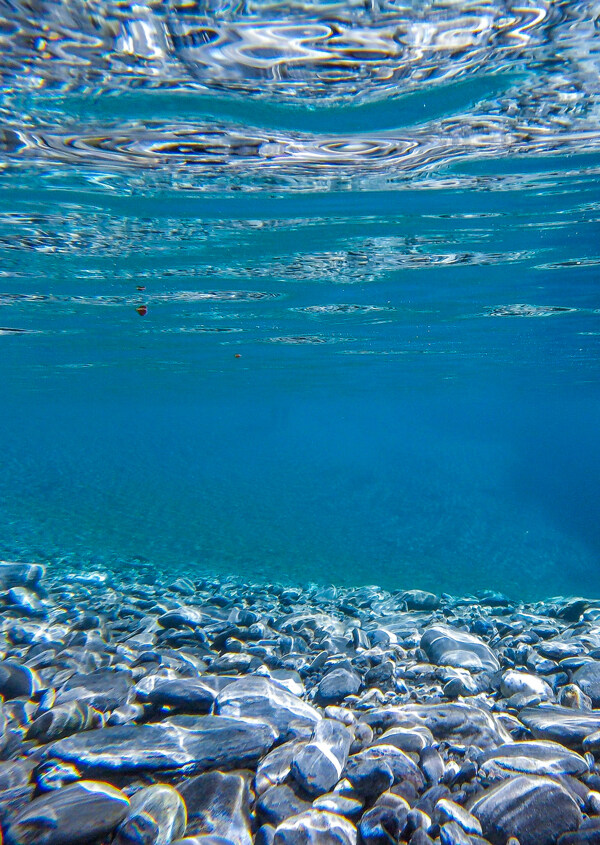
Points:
[[153, 710]]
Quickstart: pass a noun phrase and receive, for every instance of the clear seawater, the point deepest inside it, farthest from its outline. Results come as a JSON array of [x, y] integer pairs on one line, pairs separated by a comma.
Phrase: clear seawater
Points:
[[368, 237]]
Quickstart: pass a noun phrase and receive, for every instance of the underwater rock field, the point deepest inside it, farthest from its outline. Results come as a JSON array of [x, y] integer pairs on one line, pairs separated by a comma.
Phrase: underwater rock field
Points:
[[148, 710]]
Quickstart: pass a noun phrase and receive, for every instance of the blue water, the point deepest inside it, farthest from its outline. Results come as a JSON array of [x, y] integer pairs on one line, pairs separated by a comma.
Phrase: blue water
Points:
[[371, 351]]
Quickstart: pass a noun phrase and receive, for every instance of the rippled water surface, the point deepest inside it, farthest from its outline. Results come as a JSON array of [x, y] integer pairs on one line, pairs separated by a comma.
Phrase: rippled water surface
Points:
[[307, 291]]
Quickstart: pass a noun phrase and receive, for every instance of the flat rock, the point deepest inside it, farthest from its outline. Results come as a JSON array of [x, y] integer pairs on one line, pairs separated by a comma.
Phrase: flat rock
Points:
[[104, 690], [446, 646], [315, 827], [188, 695], [182, 742], [78, 813], [565, 725], [63, 720], [218, 805], [265, 700], [539, 757], [535, 810], [457, 722]]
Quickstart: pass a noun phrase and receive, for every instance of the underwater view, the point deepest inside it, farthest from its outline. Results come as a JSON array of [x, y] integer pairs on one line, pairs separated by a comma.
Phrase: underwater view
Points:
[[299, 422]]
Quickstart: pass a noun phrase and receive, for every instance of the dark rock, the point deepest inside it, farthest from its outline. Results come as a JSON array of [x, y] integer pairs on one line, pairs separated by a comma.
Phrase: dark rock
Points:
[[20, 575], [420, 600], [184, 743], [336, 685], [534, 810], [279, 803], [380, 675], [63, 720], [218, 804], [16, 681], [181, 617], [78, 813], [318, 765], [450, 811], [564, 725], [104, 690], [186, 695], [587, 679], [539, 757]]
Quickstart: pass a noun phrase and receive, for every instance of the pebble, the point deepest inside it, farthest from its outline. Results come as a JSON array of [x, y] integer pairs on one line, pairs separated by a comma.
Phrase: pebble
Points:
[[535, 810], [231, 713], [77, 813]]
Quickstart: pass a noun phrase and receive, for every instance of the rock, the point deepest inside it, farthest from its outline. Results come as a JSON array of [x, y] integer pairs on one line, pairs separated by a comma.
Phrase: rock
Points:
[[573, 610], [535, 758], [318, 765], [452, 833], [27, 603], [523, 683], [445, 646], [336, 685], [156, 816], [17, 681], [186, 695], [383, 824], [341, 805], [275, 767], [407, 739], [457, 722], [588, 833], [564, 725], [420, 600], [20, 575], [587, 679], [315, 827], [401, 766], [533, 809], [279, 803], [432, 765], [53, 775], [449, 811], [183, 743], [181, 617], [571, 696], [104, 690], [218, 804], [63, 720], [78, 813], [265, 700]]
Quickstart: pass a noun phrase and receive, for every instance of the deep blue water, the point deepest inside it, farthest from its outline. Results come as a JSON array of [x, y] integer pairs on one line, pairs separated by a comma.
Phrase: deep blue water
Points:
[[371, 352]]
